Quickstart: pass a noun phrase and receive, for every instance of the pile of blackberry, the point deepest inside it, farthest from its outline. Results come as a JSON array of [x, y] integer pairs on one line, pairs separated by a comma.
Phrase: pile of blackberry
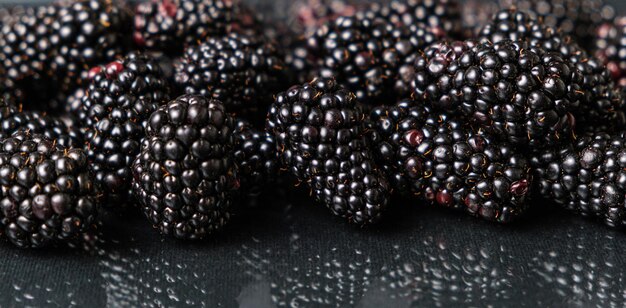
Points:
[[186, 109]]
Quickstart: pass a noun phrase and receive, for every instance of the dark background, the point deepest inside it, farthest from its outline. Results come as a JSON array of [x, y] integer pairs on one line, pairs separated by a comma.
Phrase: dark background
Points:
[[290, 251]]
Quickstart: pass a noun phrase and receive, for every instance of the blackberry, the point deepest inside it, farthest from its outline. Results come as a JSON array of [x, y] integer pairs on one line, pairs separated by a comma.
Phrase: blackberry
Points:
[[446, 161], [602, 107], [47, 49], [443, 15], [255, 157], [118, 102], [185, 176], [63, 130], [169, 25], [368, 54], [320, 136], [87, 33], [48, 195], [587, 177], [26, 51], [579, 19], [610, 47], [524, 93], [235, 69]]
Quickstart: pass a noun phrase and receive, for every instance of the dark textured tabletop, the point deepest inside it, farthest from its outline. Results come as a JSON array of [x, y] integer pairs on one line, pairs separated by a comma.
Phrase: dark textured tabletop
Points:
[[289, 251]]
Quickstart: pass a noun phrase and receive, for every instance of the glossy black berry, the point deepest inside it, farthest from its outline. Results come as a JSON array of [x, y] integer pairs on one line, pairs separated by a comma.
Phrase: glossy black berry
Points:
[[321, 139], [47, 194], [170, 25], [526, 94], [601, 107], [586, 177], [185, 176], [240, 71], [120, 98], [255, 157], [445, 161]]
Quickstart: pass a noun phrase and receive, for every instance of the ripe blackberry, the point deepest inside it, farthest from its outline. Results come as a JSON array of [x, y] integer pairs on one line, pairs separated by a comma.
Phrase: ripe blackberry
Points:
[[255, 157], [235, 69], [320, 135], [610, 47], [524, 93], [63, 130], [26, 51], [368, 54], [185, 176], [587, 177], [577, 18], [169, 25], [602, 107], [119, 100], [86, 33], [446, 161], [47, 49], [444, 15], [48, 194]]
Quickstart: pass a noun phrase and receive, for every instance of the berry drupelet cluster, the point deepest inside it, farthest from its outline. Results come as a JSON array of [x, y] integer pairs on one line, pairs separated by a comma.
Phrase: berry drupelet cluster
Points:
[[522, 92], [321, 138], [242, 72], [47, 195], [601, 108], [587, 177], [370, 55], [443, 160], [185, 175], [118, 102], [169, 25], [47, 50], [255, 157]]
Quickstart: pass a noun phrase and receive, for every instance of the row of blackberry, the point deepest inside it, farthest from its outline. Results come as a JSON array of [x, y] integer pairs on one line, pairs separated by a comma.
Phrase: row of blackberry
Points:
[[444, 160]]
